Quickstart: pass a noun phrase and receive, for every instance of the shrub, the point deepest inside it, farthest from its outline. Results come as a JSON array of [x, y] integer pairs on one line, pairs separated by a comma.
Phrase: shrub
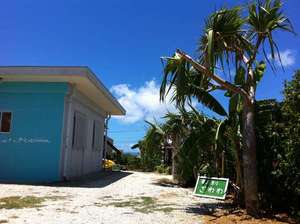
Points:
[[278, 143], [130, 161], [163, 169]]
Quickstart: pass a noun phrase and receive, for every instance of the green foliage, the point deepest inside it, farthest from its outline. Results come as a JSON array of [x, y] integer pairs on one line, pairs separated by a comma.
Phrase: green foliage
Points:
[[232, 38], [150, 147], [264, 18], [259, 71], [239, 79], [197, 153], [223, 36], [201, 147], [130, 161], [278, 129], [185, 83], [192, 136], [163, 169], [196, 137], [236, 40]]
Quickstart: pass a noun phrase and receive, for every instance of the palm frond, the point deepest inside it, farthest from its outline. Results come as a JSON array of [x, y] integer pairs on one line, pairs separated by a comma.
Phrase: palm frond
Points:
[[208, 100], [266, 17], [223, 37], [186, 83], [135, 146]]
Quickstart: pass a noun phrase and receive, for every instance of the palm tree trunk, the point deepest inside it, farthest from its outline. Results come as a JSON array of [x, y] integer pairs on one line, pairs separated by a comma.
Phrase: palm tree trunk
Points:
[[249, 157], [175, 162], [239, 172], [174, 165]]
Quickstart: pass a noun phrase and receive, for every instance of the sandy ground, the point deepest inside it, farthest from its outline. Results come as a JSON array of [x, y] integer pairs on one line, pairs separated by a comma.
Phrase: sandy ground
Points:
[[99, 200]]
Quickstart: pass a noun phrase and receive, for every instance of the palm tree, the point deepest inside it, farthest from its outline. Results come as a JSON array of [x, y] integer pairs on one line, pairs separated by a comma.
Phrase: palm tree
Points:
[[235, 43], [173, 128], [150, 146], [197, 153], [176, 130], [184, 129]]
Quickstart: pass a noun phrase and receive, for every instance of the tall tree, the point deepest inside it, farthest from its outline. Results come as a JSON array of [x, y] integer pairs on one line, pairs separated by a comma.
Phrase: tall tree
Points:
[[233, 43], [175, 129], [150, 146], [178, 128]]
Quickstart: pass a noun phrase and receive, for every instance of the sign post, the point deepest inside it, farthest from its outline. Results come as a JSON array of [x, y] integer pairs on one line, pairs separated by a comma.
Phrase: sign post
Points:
[[211, 187]]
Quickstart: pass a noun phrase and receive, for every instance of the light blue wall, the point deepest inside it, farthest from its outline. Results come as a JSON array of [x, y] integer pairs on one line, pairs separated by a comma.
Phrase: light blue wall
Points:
[[31, 151]]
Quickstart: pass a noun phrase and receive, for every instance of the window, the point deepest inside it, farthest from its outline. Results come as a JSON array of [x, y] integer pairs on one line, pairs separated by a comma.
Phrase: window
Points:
[[79, 132], [74, 128], [96, 141], [5, 122], [94, 129]]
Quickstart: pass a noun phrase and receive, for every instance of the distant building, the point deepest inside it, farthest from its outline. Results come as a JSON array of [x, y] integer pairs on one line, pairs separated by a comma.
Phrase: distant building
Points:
[[111, 149], [52, 123]]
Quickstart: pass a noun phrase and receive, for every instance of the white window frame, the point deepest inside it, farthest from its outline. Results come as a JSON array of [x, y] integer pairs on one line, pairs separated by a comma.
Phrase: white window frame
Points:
[[11, 120]]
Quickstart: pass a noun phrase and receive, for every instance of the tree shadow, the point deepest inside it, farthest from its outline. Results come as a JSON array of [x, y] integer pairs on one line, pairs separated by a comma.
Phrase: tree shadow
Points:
[[210, 208], [165, 182], [93, 180], [229, 212]]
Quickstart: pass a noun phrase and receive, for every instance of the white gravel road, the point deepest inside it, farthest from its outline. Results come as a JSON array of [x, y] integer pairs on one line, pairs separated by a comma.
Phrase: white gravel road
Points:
[[110, 199]]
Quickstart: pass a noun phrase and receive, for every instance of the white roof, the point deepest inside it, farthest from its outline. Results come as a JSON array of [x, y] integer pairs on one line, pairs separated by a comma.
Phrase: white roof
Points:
[[83, 77]]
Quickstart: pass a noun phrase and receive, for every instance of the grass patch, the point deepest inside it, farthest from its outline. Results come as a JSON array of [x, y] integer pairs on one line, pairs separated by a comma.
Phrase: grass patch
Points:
[[18, 202], [140, 204], [148, 200]]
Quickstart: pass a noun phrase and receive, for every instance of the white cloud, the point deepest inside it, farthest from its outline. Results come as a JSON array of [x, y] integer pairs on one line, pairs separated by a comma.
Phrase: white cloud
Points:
[[287, 56], [141, 103]]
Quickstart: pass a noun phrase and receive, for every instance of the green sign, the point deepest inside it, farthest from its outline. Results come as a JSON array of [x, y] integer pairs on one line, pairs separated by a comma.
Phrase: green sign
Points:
[[211, 187]]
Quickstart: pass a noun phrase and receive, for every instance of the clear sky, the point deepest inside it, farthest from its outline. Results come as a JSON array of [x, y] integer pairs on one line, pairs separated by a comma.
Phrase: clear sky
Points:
[[122, 41]]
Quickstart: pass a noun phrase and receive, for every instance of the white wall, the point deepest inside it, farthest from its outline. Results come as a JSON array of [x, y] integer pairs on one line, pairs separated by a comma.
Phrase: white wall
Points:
[[77, 162]]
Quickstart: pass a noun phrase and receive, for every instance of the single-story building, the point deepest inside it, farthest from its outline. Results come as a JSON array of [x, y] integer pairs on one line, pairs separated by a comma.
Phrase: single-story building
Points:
[[111, 149], [52, 123]]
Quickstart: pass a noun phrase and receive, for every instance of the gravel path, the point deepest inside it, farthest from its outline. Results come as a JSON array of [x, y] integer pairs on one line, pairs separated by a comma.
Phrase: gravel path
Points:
[[126, 197]]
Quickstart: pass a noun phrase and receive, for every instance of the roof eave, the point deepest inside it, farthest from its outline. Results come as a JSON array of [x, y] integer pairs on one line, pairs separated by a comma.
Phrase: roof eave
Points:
[[93, 78]]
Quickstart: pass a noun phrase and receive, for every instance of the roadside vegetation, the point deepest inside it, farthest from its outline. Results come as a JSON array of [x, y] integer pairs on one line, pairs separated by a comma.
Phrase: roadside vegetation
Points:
[[253, 143]]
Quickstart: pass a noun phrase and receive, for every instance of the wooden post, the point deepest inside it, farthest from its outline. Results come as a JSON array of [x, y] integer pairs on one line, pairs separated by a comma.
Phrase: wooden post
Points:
[[223, 163]]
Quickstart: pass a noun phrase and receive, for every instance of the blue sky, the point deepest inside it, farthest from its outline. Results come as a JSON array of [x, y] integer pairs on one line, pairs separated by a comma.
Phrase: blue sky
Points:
[[122, 42]]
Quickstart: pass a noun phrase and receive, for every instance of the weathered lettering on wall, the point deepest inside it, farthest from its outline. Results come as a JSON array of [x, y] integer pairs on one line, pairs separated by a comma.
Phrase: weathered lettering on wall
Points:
[[25, 140]]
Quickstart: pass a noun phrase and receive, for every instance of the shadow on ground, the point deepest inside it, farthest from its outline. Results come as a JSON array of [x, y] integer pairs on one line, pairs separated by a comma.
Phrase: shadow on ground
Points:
[[210, 208], [165, 182], [227, 212], [95, 180]]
